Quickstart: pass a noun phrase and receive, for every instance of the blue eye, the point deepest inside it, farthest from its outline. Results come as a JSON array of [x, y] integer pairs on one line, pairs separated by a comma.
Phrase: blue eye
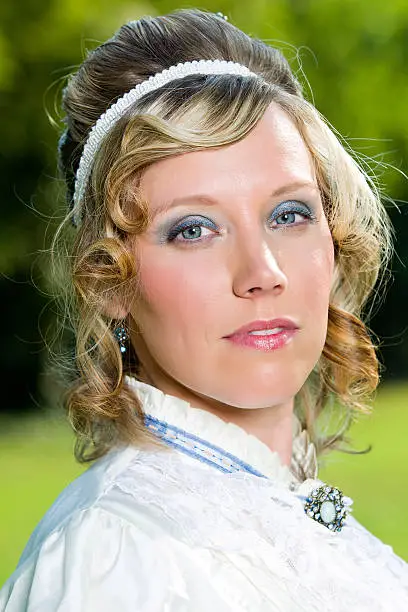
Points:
[[287, 218], [190, 229], [285, 214]]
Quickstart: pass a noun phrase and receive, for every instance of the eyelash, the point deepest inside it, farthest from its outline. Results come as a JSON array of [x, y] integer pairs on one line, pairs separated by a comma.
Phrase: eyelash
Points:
[[288, 208]]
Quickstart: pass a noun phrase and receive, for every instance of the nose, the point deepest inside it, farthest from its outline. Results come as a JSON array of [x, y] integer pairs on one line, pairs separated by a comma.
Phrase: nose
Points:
[[258, 270]]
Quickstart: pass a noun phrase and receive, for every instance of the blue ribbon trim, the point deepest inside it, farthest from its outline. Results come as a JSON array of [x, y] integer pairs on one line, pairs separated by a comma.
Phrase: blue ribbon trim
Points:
[[198, 448]]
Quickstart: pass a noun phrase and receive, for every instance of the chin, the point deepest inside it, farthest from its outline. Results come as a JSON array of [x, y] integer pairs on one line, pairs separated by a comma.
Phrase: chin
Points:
[[249, 393]]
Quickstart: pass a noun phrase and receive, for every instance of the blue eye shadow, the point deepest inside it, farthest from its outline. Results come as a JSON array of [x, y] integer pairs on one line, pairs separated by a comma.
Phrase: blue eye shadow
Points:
[[171, 229], [293, 206], [169, 232]]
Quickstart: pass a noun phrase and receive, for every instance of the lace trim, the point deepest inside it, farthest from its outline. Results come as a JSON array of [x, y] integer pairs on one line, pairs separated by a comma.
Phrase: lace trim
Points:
[[239, 513]]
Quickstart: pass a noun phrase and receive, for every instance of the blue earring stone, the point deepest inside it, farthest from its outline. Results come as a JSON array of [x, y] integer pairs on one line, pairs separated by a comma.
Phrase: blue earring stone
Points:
[[121, 336]]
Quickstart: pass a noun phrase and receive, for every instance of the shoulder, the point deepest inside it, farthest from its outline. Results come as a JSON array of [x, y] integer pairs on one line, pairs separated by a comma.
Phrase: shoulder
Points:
[[80, 496], [96, 561], [93, 543], [122, 485]]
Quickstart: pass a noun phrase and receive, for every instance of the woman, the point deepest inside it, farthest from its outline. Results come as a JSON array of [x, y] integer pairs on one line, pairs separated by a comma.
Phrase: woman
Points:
[[223, 246]]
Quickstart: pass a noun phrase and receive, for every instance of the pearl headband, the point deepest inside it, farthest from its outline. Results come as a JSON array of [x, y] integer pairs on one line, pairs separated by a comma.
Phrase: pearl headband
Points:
[[110, 117]]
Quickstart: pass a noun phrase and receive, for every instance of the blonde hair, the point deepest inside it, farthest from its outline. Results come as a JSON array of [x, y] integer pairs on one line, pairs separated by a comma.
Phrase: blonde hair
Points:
[[198, 113]]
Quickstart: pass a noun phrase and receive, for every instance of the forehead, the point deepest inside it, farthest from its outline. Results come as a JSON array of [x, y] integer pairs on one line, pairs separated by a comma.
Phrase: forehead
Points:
[[272, 154]]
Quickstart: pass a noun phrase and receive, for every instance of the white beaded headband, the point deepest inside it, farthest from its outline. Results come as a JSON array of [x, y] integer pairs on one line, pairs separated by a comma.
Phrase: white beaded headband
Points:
[[110, 117]]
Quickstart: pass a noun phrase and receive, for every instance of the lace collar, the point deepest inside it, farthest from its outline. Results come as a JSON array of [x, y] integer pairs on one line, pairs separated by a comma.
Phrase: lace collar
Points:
[[235, 442]]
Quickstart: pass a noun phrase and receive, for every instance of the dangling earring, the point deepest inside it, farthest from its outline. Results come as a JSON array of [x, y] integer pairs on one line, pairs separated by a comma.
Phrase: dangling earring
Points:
[[121, 336]]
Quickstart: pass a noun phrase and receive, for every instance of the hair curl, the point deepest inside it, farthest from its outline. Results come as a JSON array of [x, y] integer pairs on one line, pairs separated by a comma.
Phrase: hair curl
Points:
[[206, 111]]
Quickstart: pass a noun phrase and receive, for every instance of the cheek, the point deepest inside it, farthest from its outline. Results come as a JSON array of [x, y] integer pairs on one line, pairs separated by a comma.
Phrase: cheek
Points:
[[315, 278], [177, 291]]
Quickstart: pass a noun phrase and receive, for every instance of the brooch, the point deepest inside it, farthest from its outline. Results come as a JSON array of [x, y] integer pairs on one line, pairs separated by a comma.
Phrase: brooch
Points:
[[326, 505]]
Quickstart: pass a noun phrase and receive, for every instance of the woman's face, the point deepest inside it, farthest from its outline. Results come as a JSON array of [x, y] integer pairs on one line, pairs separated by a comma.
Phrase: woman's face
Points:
[[238, 235]]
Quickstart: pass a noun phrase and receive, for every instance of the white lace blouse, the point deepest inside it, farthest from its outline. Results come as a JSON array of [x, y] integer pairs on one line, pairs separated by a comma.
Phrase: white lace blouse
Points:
[[214, 523]]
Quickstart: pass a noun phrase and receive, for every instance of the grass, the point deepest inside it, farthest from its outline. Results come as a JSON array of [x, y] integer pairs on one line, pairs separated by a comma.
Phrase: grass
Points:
[[36, 463]]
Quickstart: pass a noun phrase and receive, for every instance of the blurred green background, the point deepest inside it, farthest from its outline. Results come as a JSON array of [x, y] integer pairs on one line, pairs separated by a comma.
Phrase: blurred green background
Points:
[[354, 54]]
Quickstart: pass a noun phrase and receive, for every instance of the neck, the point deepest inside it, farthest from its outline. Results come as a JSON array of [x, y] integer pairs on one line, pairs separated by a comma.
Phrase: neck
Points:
[[272, 425]]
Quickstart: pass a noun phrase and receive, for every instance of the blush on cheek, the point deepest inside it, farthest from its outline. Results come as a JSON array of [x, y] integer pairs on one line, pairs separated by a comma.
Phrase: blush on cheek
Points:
[[159, 291], [170, 296]]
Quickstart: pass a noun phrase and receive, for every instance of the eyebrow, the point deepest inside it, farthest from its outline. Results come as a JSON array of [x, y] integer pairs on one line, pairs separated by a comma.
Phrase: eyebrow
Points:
[[209, 201]]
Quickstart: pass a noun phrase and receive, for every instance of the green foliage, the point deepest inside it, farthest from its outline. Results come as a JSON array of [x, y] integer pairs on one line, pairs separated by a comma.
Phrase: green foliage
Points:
[[354, 53]]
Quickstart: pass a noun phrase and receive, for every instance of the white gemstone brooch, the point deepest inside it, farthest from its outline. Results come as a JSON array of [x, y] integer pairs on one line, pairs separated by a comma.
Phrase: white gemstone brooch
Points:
[[327, 506]]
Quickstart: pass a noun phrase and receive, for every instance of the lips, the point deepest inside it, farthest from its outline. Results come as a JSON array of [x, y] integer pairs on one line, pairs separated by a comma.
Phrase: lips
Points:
[[283, 323]]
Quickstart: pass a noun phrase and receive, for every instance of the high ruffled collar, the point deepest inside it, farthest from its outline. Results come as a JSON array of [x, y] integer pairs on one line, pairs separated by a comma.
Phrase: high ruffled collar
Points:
[[230, 437]]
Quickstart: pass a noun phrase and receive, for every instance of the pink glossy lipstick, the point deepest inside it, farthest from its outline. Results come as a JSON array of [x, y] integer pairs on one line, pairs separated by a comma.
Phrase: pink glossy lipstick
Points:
[[265, 335]]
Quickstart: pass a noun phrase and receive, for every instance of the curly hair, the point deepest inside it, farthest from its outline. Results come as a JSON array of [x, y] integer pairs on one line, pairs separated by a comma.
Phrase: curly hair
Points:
[[207, 111]]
